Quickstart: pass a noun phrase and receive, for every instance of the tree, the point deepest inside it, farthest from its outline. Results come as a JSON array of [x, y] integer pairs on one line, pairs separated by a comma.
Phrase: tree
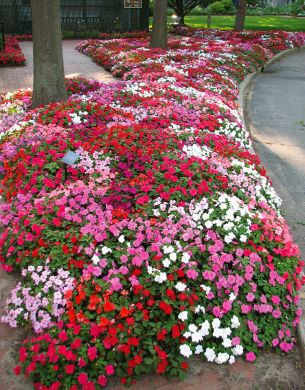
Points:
[[159, 29], [183, 7], [240, 15], [49, 76]]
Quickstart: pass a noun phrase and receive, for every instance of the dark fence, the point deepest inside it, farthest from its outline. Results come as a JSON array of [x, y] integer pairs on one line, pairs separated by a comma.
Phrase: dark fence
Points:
[[79, 15]]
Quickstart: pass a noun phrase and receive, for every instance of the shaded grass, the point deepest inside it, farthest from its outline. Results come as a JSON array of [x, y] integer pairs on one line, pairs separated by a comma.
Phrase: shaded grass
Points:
[[271, 22]]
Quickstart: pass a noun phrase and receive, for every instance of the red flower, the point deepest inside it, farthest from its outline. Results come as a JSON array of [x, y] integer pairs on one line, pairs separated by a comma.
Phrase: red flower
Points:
[[165, 307], [175, 331], [92, 353], [70, 368], [82, 378], [102, 380], [109, 307], [17, 370]]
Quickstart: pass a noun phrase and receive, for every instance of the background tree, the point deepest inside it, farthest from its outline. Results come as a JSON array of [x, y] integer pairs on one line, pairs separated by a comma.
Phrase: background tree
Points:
[[159, 28], [184, 7], [49, 76], [240, 15]]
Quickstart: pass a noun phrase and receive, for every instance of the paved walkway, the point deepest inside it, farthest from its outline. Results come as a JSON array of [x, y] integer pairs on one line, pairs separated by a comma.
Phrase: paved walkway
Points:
[[276, 111], [76, 64]]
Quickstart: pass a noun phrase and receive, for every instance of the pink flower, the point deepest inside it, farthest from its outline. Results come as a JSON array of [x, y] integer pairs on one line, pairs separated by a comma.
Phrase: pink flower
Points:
[[109, 369], [102, 380], [250, 356], [250, 297], [192, 274], [82, 378], [92, 353]]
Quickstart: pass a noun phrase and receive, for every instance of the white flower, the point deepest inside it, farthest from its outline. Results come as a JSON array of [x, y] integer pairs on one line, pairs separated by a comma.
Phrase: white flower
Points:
[[185, 350], [161, 277], [238, 350], [180, 286], [168, 249], [235, 322], [222, 357], [208, 224], [183, 315], [232, 297], [205, 327], [216, 323], [193, 328], [121, 239], [166, 263], [227, 343], [210, 354], [243, 238], [173, 256], [198, 349], [197, 337], [185, 258], [106, 250], [232, 359], [95, 259], [199, 309]]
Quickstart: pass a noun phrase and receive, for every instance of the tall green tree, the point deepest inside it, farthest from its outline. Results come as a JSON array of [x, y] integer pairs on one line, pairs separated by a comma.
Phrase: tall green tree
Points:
[[49, 76], [240, 15], [159, 29]]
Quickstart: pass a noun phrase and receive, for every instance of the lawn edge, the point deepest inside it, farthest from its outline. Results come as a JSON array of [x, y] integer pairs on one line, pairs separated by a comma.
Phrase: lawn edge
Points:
[[245, 93]]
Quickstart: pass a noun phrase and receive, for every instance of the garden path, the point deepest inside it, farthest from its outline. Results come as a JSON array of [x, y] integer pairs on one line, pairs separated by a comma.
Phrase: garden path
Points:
[[76, 64], [276, 112]]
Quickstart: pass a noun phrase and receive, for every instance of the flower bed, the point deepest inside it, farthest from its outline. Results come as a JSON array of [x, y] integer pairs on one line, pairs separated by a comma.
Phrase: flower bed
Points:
[[12, 55], [167, 226]]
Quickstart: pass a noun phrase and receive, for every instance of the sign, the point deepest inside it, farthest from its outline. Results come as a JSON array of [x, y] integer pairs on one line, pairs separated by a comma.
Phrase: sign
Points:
[[70, 158], [132, 3]]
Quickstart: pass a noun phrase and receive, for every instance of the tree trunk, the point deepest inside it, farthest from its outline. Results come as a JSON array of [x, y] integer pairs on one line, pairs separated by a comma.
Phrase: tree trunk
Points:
[[49, 76], [180, 11], [241, 15], [159, 30]]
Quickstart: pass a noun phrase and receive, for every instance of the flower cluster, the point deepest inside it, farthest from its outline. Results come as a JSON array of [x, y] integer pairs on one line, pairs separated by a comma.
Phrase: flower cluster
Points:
[[167, 225], [12, 54], [39, 299]]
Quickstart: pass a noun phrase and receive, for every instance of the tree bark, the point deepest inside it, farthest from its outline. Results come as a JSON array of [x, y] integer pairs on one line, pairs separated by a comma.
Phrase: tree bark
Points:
[[241, 15], [49, 76], [180, 11], [159, 30]]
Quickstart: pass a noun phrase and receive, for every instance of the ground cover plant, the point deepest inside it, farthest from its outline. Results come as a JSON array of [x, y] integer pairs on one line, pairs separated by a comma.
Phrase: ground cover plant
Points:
[[165, 240], [12, 54]]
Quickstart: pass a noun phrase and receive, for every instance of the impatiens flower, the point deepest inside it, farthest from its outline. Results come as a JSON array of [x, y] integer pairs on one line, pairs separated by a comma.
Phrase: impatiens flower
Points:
[[92, 353], [185, 350], [250, 356]]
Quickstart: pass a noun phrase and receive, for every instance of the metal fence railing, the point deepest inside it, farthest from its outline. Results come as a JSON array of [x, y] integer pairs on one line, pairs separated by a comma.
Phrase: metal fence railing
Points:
[[76, 15]]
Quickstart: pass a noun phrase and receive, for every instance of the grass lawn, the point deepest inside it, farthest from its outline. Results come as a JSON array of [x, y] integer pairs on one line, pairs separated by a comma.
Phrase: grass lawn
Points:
[[252, 22]]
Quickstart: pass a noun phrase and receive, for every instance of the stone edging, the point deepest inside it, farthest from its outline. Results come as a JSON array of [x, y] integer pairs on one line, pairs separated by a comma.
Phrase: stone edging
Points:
[[245, 89]]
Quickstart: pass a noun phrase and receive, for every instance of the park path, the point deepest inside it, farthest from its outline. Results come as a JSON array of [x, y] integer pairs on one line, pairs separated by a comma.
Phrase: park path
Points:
[[75, 63], [282, 148], [276, 112]]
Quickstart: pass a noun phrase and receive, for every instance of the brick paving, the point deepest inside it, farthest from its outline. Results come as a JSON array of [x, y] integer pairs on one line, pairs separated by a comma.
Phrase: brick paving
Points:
[[75, 63]]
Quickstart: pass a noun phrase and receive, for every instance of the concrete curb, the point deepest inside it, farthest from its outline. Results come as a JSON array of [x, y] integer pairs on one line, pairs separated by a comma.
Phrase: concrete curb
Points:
[[245, 91]]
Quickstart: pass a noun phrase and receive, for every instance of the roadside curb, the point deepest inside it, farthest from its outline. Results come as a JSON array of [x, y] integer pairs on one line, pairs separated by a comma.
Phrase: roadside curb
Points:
[[245, 91]]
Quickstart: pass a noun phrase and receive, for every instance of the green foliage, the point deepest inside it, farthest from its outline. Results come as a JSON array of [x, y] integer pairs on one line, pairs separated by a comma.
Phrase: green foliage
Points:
[[222, 7]]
